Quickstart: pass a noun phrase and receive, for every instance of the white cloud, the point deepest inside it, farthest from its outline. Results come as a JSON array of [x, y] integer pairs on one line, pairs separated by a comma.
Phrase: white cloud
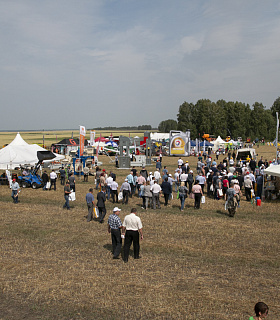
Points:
[[191, 43], [224, 38]]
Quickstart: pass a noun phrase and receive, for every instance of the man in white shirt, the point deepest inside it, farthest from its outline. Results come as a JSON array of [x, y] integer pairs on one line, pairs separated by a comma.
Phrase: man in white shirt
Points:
[[180, 162], [53, 177], [184, 177], [132, 226], [156, 190], [109, 181], [177, 180], [15, 190], [157, 175], [114, 190]]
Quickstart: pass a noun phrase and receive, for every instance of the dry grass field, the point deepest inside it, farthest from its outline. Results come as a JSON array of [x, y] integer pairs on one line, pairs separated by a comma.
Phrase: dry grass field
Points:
[[196, 264]]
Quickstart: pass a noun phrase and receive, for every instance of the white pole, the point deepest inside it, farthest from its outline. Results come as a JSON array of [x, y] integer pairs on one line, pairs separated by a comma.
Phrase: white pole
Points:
[[277, 129]]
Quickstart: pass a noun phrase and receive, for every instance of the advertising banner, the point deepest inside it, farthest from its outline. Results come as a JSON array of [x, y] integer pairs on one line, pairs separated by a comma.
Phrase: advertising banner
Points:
[[179, 143], [92, 137], [82, 139]]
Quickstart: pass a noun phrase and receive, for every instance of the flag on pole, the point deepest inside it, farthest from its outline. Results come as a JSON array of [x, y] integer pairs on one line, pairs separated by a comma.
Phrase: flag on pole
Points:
[[82, 139], [92, 137], [97, 149]]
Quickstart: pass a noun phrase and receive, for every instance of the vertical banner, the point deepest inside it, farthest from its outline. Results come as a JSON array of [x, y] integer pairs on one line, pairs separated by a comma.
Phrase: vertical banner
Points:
[[92, 137], [82, 139], [97, 149]]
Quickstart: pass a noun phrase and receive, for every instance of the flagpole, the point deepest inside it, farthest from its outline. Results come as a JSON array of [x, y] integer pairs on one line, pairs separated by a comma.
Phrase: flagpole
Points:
[[277, 129]]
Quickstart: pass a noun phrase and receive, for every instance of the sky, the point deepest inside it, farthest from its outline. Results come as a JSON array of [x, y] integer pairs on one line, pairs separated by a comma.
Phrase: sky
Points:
[[97, 63]]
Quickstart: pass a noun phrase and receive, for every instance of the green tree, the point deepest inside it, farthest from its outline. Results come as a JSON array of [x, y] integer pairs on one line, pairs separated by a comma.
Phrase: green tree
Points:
[[187, 118], [167, 125], [276, 107], [203, 111], [262, 122], [145, 127]]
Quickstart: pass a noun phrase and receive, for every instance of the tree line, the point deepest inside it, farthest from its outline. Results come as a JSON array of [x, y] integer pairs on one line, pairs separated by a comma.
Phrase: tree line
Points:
[[235, 119], [141, 127]]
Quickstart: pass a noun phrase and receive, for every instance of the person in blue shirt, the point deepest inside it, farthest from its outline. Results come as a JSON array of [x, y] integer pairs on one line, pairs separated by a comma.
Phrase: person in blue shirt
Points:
[[158, 165], [90, 204], [130, 180]]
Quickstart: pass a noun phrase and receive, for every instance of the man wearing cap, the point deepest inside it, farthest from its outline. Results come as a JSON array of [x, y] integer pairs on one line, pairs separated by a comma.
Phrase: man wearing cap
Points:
[[90, 204], [114, 227], [126, 190], [132, 226], [15, 190]]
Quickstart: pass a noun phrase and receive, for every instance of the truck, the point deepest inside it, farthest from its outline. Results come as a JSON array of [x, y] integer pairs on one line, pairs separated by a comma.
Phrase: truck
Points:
[[243, 154]]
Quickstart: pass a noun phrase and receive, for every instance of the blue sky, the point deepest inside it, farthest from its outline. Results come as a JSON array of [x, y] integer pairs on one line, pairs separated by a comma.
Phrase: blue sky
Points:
[[67, 63]]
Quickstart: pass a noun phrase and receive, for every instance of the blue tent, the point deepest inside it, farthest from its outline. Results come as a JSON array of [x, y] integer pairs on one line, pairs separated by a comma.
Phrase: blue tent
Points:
[[201, 144], [207, 144]]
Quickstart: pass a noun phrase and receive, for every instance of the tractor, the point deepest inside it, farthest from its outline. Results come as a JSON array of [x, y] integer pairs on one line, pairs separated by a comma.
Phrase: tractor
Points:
[[32, 179]]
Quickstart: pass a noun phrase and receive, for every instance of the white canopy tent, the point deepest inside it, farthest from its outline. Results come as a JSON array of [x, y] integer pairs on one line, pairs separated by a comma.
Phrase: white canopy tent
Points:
[[19, 152], [218, 143], [158, 136], [273, 170], [235, 143]]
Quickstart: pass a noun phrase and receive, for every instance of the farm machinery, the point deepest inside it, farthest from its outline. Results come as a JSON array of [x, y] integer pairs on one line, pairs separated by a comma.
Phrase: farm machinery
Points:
[[32, 179]]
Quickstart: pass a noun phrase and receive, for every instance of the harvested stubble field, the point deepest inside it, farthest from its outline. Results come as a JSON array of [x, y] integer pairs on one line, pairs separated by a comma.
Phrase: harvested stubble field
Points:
[[195, 265]]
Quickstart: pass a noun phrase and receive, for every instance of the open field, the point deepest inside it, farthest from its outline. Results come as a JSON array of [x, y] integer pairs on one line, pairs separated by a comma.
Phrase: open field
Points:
[[51, 137], [195, 265]]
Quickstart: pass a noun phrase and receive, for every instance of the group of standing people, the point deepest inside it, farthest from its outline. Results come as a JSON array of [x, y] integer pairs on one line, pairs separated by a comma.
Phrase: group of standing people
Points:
[[131, 230]]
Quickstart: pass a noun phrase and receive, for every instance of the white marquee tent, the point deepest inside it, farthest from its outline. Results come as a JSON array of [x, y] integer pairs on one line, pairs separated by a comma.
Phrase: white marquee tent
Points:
[[158, 136], [19, 152], [218, 143], [273, 170]]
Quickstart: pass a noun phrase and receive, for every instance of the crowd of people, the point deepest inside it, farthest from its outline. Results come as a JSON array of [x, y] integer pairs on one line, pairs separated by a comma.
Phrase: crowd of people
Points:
[[228, 179]]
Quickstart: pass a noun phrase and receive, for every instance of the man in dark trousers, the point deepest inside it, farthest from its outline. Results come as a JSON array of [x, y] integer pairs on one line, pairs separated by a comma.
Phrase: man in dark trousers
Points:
[[115, 227], [67, 192], [166, 189], [62, 176], [45, 179], [90, 204], [133, 227], [101, 198]]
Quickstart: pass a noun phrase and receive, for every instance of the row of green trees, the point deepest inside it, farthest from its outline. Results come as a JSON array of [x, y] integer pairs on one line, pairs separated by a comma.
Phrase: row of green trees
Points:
[[235, 119], [141, 127]]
